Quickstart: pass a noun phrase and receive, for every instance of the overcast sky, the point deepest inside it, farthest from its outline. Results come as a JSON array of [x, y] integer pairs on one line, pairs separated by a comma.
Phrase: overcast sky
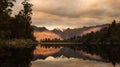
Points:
[[73, 13]]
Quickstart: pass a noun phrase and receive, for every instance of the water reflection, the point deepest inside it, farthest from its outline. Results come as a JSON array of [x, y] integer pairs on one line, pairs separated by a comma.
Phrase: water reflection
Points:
[[69, 62], [65, 56], [42, 52]]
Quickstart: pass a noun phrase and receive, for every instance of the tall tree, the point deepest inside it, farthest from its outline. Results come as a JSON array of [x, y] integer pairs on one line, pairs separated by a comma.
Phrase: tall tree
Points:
[[27, 16], [23, 21]]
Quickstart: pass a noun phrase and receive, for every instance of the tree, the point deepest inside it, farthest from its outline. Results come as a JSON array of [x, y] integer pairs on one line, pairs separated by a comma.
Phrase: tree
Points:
[[23, 21], [113, 23]]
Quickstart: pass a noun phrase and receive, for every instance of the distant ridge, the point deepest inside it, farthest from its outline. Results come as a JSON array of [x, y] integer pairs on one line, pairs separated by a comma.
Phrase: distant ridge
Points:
[[68, 33], [39, 29]]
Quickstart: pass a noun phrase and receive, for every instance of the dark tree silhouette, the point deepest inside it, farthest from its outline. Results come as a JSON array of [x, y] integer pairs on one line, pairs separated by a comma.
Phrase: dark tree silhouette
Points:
[[5, 19], [23, 22], [17, 42]]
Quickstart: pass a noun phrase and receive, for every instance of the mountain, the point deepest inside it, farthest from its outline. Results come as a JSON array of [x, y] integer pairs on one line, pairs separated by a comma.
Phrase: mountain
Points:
[[46, 34], [39, 29], [68, 33], [57, 31]]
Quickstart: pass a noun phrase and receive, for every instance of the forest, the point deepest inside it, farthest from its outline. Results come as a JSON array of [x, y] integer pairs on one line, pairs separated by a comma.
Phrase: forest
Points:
[[17, 42]]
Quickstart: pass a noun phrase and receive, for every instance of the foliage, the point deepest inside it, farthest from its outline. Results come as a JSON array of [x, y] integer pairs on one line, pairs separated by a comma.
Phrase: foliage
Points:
[[17, 42], [23, 22]]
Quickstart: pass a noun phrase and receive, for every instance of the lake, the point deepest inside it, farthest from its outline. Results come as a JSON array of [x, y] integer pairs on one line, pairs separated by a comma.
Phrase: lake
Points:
[[71, 62], [50, 56]]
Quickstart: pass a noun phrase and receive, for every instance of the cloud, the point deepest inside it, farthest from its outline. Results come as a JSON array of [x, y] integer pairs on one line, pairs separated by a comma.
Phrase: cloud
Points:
[[56, 7], [76, 8], [74, 13]]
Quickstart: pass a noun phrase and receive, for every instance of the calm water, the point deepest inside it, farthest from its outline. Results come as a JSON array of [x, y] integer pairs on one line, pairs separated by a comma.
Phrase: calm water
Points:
[[72, 62], [66, 57]]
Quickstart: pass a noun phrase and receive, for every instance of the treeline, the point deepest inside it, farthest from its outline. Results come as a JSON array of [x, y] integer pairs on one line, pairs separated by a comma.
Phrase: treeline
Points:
[[50, 40], [110, 34], [105, 43], [17, 42]]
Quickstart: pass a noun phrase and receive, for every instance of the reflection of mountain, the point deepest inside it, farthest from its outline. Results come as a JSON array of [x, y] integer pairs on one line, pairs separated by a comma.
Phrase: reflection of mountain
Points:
[[57, 52], [46, 51], [68, 33]]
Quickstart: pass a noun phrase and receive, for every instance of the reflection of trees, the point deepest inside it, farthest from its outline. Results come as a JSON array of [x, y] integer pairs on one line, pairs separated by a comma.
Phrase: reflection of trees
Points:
[[49, 46], [71, 46]]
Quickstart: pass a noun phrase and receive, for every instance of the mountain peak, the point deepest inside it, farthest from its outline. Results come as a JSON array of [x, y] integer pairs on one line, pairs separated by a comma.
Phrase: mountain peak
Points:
[[40, 29], [56, 29]]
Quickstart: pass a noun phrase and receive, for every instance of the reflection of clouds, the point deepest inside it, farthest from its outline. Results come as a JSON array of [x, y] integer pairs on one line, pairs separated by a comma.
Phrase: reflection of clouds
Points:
[[68, 62]]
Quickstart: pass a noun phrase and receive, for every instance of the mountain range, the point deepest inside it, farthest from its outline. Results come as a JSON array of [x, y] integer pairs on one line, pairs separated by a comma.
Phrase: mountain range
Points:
[[43, 32]]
